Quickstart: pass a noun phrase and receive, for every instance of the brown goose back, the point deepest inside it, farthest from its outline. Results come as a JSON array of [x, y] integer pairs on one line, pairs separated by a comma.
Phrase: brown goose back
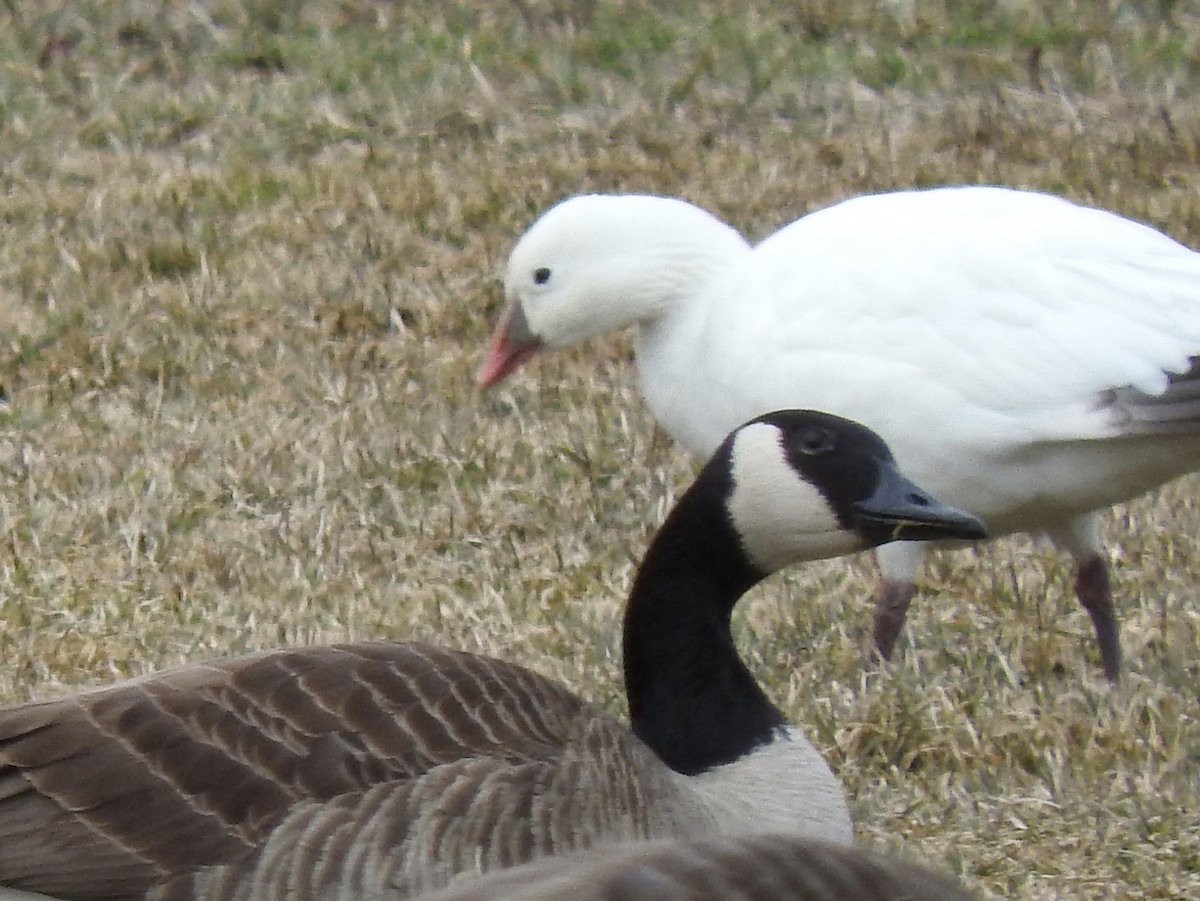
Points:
[[727, 868], [325, 756]]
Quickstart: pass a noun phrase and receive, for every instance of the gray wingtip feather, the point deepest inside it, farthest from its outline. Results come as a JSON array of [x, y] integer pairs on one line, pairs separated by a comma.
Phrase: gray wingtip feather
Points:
[[1176, 410]]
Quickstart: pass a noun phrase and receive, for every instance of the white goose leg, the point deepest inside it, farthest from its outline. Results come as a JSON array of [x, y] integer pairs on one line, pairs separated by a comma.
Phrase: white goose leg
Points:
[[1081, 538], [898, 565], [1092, 589]]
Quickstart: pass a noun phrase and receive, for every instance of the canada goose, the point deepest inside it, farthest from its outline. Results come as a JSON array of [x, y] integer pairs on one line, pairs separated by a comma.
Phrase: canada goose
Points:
[[1026, 358], [752, 867], [385, 768]]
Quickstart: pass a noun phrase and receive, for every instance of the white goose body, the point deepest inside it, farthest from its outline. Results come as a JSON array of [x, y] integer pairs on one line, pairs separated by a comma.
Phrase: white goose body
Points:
[[978, 330], [1027, 358], [378, 770]]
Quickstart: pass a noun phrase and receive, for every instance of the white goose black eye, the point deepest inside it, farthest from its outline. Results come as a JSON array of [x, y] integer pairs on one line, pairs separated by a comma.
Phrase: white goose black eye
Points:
[[814, 440], [541, 275]]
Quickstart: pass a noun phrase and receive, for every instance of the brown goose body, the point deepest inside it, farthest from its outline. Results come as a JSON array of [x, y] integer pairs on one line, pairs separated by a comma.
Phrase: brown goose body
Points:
[[754, 867], [365, 770]]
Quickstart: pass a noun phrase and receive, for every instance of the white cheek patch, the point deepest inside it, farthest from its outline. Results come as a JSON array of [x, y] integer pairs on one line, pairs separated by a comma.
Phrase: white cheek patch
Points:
[[780, 517]]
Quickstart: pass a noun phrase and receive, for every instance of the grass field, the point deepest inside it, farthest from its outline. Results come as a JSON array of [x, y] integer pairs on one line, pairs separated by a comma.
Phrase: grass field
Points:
[[251, 252]]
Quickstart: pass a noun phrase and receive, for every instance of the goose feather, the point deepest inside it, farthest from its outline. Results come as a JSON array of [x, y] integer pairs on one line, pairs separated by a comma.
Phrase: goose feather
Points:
[[755, 867]]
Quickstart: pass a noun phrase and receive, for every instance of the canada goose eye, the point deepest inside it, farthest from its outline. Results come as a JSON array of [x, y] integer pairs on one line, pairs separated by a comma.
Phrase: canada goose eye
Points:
[[541, 275], [814, 440]]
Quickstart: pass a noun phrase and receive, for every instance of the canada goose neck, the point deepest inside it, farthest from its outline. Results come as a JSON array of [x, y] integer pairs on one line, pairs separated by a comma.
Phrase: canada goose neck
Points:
[[691, 698]]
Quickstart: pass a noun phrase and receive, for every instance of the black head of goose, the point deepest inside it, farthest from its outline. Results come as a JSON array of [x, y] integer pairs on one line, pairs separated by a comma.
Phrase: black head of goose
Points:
[[387, 768]]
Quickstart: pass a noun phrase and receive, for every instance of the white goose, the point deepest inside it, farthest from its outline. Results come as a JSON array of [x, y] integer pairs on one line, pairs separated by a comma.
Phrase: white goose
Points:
[[383, 769], [1028, 359]]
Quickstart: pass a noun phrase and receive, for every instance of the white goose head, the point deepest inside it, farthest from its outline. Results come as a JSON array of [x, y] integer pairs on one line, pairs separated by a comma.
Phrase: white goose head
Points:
[[595, 263]]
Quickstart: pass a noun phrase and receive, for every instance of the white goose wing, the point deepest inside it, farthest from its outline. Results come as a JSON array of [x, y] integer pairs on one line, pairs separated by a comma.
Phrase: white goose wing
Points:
[[1022, 302]]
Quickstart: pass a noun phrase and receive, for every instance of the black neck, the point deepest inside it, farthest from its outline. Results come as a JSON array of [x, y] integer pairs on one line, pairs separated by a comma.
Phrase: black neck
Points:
[[691, 699]]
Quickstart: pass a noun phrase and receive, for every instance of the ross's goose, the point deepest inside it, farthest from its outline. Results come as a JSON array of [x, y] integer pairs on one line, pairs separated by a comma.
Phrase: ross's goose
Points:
[[384, 769], [1029, 359]]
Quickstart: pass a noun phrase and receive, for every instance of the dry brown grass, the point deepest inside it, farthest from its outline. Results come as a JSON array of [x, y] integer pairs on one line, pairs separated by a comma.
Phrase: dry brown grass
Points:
[[250, 255]]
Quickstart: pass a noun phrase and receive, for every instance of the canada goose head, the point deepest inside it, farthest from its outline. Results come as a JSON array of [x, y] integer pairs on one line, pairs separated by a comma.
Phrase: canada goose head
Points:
[[786, 487], [805, 485], [596, 263]]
